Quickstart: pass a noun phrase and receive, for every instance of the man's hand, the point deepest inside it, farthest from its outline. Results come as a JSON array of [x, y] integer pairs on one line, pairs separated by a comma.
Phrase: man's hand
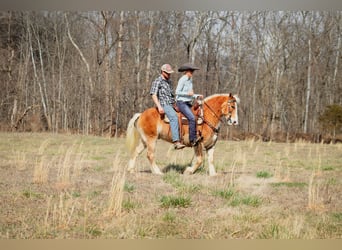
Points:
[[198, 96], [161, 110]]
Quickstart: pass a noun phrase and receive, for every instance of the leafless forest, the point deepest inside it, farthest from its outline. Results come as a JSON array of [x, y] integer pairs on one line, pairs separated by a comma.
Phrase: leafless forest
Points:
[[89, 72]]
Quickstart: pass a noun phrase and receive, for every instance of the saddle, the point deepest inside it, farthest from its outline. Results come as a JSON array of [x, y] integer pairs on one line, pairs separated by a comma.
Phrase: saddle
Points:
[[197, 110]]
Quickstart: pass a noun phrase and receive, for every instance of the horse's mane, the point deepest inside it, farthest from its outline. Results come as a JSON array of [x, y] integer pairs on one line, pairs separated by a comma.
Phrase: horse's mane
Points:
[[216, 95]]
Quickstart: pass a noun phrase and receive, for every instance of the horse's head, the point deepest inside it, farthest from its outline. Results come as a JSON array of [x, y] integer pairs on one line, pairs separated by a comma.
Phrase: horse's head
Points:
[[229, 109]]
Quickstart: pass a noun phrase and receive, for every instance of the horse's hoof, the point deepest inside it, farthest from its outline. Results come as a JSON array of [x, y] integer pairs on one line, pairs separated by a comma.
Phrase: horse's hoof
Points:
[[158, 173], [187, 172]]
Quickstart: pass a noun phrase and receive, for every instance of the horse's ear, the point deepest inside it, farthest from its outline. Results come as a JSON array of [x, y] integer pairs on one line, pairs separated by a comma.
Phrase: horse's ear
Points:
[[237, 98]]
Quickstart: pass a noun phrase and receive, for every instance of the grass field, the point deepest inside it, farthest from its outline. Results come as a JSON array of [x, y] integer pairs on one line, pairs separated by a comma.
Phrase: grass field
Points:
[[76, 187]]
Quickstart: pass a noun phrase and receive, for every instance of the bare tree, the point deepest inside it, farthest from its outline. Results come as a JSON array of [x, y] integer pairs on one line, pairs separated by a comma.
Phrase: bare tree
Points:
[[90, 71], [42, 86], [119, 79]]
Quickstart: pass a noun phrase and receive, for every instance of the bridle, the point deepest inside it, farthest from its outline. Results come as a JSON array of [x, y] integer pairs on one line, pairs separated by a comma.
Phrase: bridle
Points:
[[226, 121], [231, 106]]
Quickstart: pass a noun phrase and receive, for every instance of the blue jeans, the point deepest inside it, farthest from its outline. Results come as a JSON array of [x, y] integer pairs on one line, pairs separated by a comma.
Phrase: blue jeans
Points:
[[185, 108], [171, 113]]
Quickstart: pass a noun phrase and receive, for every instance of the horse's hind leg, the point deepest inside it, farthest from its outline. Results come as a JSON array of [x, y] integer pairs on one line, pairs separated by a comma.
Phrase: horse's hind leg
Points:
[[151, 146], [138, 150]]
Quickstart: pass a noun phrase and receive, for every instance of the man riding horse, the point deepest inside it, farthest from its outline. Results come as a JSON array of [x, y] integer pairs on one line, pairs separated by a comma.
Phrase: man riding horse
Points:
[[162, 95], [144, 129]]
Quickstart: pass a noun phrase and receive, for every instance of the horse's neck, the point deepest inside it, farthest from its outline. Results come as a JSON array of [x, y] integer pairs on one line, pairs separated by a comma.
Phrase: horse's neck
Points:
[[212, 110]]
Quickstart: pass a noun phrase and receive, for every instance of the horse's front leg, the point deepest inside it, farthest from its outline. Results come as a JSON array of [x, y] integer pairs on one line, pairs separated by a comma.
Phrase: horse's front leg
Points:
[[210, 153], [151, 146], [197, 160]]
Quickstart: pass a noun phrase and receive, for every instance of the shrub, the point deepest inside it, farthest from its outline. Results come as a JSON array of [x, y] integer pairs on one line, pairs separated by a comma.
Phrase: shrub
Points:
[[331, 119]]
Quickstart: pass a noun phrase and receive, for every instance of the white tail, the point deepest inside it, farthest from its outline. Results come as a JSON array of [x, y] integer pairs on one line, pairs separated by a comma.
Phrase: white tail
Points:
[[133, 136]]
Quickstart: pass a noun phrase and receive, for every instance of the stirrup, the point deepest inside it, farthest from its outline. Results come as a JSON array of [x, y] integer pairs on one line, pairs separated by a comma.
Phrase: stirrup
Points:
[[195, 143]]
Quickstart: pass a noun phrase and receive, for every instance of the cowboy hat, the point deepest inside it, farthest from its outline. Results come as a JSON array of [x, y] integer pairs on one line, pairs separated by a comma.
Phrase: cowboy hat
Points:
[[186, 67]]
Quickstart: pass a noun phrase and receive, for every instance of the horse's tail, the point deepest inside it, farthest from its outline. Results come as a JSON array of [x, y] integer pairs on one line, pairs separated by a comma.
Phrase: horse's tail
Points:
[[133, 136]]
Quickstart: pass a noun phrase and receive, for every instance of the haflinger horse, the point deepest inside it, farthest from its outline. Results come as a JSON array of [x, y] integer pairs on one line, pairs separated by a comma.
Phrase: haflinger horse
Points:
[[145, 128]]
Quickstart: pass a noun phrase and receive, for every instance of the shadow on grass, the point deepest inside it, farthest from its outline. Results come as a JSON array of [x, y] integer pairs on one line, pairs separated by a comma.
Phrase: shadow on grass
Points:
[[180, 168]]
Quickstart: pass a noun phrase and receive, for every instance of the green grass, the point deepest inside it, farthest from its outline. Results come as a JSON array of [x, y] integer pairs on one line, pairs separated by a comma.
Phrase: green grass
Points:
[[332, 181], [235, 198], [263, 174], [76, 194], [328, 168], [289, 184], [31, 194], [175, 180], [337, 216], [272, 231], [129, 187], [248, 200], [225, 193], [169, 217], [94, 232], [175, 201], [129, 205], [98, 158], [94, 193]]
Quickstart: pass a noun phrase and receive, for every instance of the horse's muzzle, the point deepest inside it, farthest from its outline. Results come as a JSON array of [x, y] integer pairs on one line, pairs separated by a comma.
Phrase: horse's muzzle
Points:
[[231, 121]]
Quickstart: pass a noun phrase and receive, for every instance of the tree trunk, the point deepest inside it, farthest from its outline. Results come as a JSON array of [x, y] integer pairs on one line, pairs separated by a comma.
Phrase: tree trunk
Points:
[[119, 68], [331, 100], [253, 127], [138, 87], [87, 97], [308, 91], [47, 111], [36, 78], [149, 51]]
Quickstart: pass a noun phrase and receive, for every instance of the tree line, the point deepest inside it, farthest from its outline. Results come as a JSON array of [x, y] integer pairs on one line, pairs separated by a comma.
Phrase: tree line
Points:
[[89, 72]]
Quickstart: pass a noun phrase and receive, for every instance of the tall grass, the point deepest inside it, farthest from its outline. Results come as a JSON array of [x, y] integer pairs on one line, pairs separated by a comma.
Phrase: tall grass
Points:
[[315, 199], [59, 213], [117, 188], [21, 160], [41, 170]]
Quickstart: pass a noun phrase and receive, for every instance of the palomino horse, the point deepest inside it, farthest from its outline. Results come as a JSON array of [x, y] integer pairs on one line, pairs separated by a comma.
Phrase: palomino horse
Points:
[[145, 128]]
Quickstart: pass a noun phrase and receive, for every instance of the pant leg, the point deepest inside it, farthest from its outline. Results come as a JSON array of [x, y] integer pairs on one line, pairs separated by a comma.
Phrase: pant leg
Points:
[[186, 111], [171, 113]]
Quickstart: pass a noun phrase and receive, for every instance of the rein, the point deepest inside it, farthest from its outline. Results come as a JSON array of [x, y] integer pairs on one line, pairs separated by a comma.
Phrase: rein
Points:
[[216, 130]]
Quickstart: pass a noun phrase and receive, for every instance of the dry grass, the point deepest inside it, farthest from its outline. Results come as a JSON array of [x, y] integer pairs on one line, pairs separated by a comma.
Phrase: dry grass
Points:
[[117, 188], [69, 186]]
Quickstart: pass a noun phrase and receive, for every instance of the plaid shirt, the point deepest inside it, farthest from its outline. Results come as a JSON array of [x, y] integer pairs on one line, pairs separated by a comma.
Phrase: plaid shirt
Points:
[[163, 89]]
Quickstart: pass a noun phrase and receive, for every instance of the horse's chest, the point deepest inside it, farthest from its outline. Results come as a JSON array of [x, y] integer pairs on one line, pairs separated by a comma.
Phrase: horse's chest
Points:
[[211, 142]]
